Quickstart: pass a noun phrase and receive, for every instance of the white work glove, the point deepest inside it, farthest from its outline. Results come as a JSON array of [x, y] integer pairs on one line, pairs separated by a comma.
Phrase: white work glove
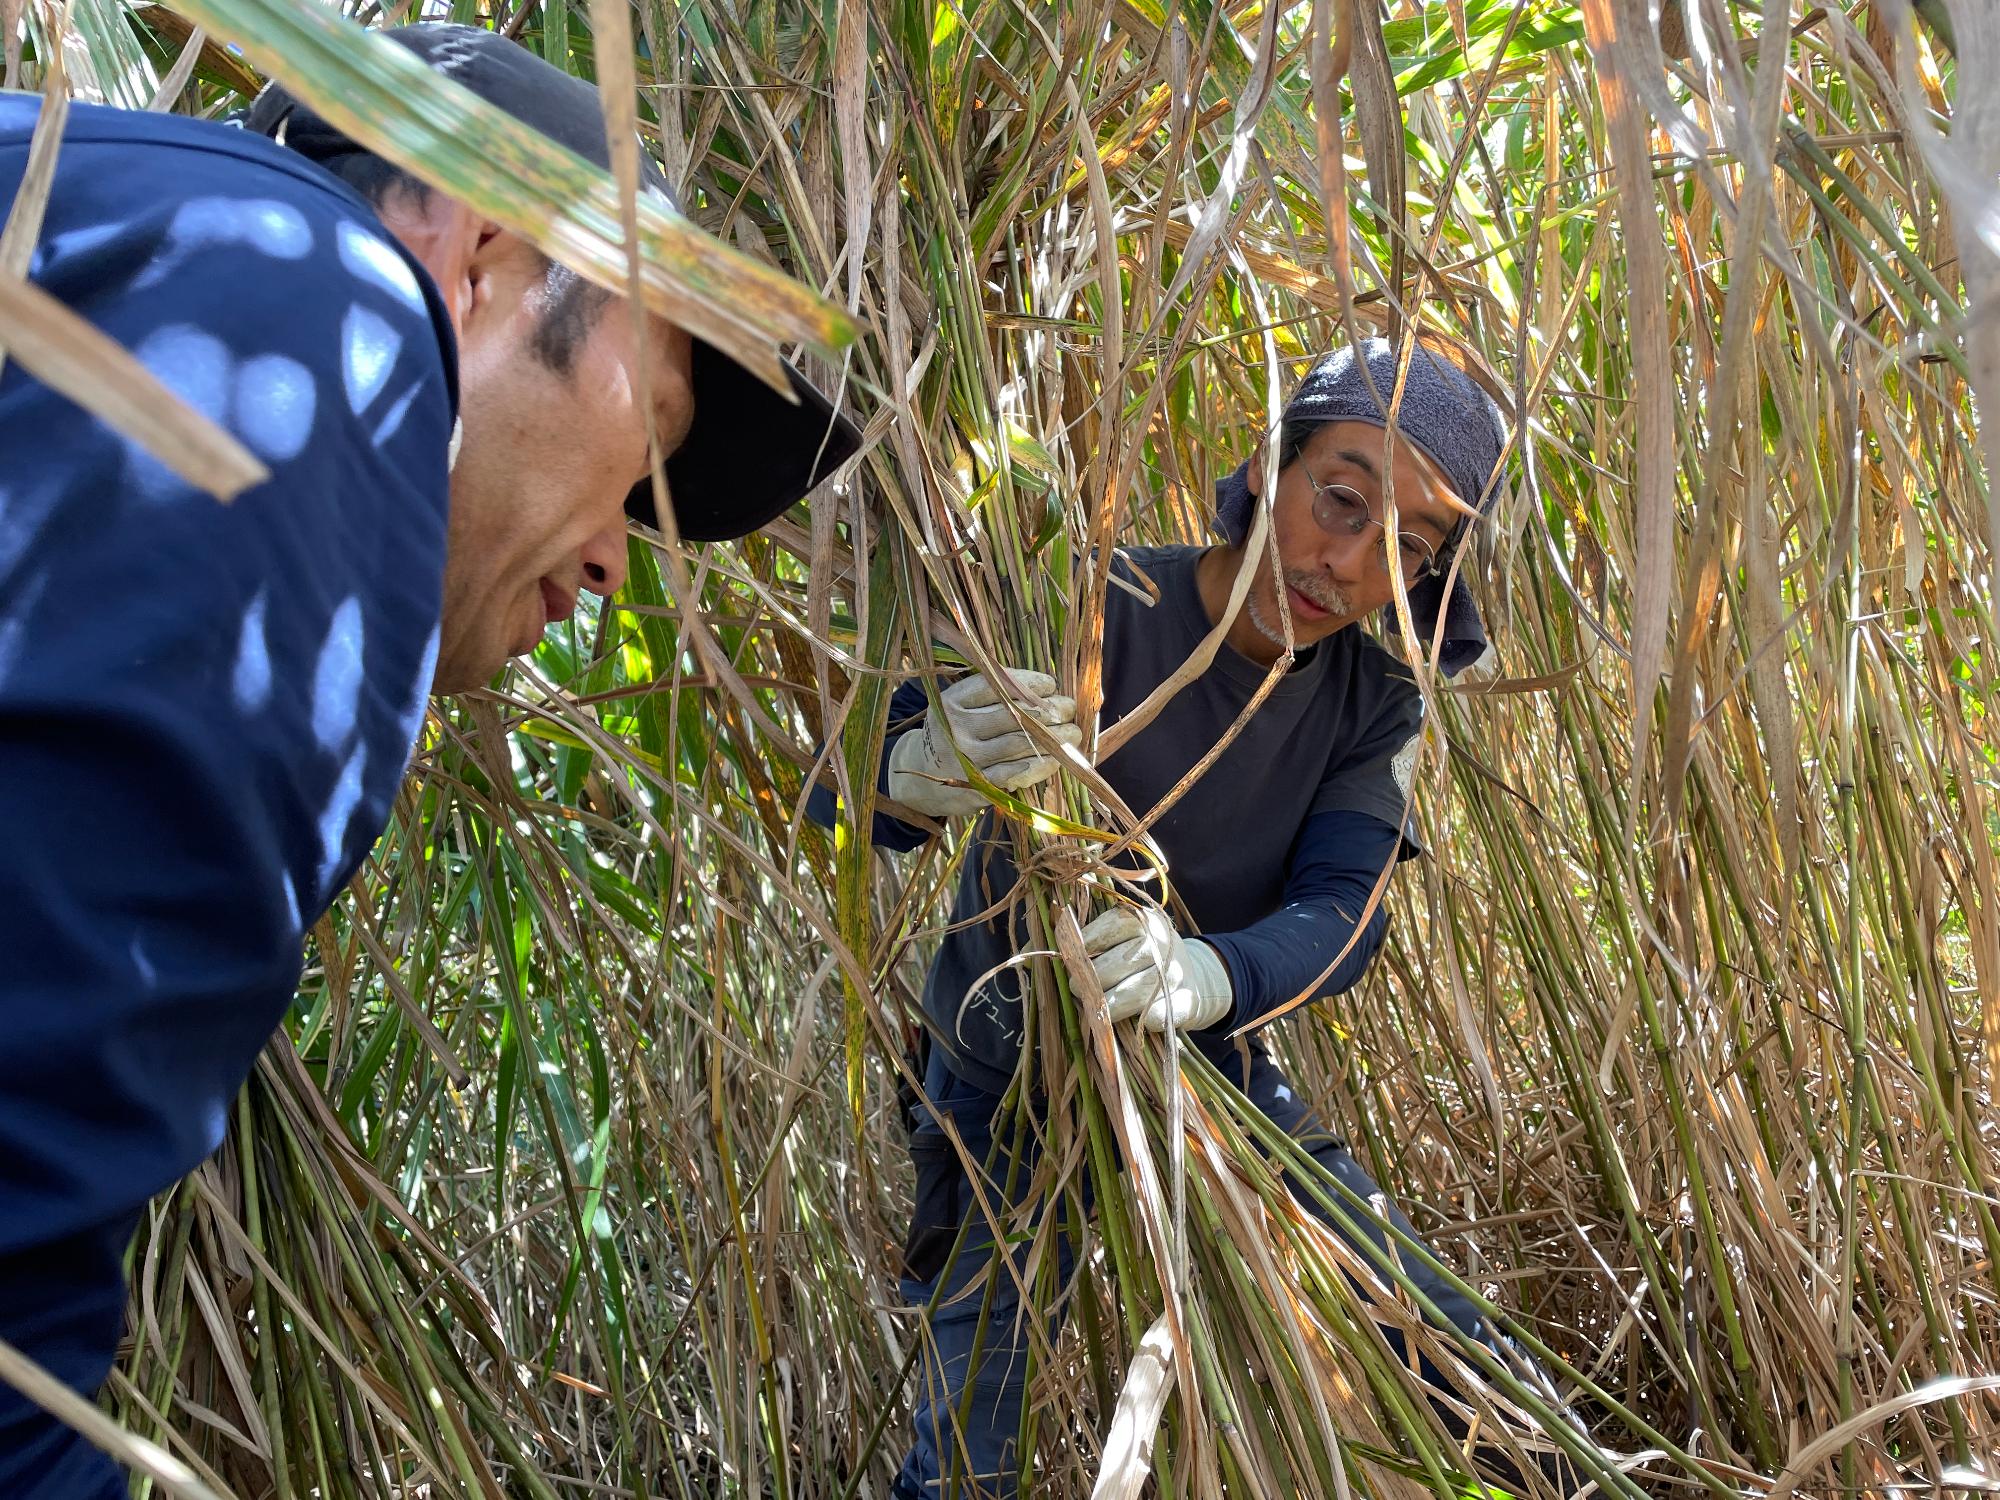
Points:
[[925, 774], [1147, 969]]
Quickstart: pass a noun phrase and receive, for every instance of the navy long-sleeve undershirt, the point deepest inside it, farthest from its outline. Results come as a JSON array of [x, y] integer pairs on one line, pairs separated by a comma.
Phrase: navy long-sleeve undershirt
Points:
[[1334, 865]]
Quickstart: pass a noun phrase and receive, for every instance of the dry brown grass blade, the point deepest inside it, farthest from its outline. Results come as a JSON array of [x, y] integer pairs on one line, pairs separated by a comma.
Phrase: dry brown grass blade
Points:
[[1967, 165], [1333, 52], [1214, 217], [31, 198], [1619, 54], [617, 87], [1378, 112], [1256, 554], [1732, 385], [175, 29], [1198, 662], [1083, 660], [1128, 1444], [1764, 615], [183, 69], [10, 42], [1150, 1199], [1809, 1455], [850, 98]]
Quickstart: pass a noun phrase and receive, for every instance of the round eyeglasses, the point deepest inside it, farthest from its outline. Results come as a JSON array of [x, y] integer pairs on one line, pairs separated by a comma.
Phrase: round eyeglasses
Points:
[[1341, 511]]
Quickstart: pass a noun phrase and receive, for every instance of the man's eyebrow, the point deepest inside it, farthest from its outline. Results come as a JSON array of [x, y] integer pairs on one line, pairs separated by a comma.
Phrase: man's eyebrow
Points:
[[1429, 519], [1360, 461]]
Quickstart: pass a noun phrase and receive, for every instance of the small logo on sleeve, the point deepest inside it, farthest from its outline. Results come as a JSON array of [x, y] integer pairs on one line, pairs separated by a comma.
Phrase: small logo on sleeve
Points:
[[1405, 763]]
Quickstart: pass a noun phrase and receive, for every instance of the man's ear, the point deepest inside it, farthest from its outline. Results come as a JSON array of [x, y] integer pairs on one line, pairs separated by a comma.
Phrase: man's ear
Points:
[[1255, 478], [446, 237], [487, 246]]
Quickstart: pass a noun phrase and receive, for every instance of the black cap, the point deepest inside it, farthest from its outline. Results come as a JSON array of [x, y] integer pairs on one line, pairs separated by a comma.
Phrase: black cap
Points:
[[749, 454]]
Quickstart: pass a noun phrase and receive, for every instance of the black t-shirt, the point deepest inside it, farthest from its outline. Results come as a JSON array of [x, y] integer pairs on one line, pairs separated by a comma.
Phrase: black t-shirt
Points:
[[1336, 735]]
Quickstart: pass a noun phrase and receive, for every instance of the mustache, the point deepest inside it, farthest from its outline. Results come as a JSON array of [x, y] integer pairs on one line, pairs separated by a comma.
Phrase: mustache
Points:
[[1328, 596]]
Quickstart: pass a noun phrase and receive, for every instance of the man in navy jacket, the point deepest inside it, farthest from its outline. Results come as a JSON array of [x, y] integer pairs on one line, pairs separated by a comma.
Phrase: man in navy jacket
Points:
[[205, 709]]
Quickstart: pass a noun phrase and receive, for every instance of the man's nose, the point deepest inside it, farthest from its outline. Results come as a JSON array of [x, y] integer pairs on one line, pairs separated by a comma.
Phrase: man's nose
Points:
[[1349, 556], [604, 559]]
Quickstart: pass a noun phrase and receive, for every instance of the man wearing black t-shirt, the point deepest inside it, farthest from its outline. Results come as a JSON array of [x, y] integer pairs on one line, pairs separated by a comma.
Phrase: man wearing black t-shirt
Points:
[[1272, 854]]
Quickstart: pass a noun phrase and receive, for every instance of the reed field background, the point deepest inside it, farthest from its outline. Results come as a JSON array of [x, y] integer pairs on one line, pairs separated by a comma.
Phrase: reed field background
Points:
[[579, 1169]]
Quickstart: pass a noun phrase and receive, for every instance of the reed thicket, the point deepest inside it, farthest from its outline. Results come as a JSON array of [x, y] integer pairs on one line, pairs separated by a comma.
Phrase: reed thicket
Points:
[[580, 1172]]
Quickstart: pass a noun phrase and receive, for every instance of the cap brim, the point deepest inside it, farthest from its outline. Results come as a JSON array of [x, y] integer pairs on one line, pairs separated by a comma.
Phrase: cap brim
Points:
[[749, 456]]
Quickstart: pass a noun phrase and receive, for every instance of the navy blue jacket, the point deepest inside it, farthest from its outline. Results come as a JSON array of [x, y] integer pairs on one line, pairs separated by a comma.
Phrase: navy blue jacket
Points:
[[205, 709]]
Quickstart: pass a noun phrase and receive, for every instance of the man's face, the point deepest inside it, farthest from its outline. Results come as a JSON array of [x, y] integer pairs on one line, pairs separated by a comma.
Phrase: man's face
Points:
[[1333, 577], [538, 494]]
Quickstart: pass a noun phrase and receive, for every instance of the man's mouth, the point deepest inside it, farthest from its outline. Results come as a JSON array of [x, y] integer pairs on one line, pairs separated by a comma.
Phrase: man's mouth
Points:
[[558, 603], [1305, 607]]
